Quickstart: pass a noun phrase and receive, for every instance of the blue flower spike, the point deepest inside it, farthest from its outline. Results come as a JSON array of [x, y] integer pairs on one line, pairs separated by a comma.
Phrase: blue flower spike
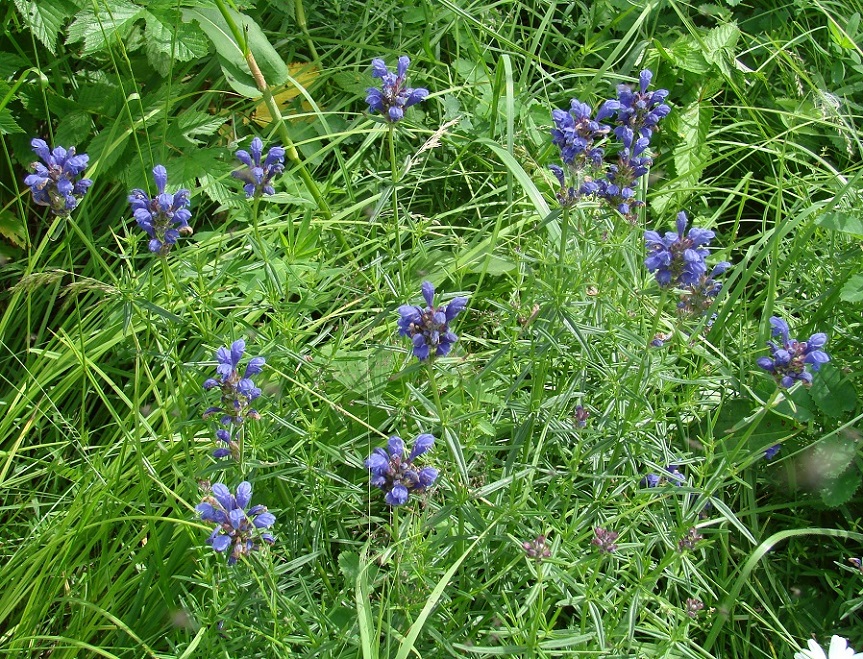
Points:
[[393, 97], [398, 475], [239, 527], [789, 358], [428, 328], [165, 217], [54, 182], [258, 175], [678, 259], [238, 391]]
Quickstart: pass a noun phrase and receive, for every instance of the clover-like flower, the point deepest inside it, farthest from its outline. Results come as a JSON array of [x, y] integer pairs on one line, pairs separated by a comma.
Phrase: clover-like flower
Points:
[[693, 606], [393, 97], [55, 183], [678, 259], [788, 360], [257, 175], [396, 474], [164, 217], [237, 391], [238, 529], [605, 540], [429, 328], [537, 549]]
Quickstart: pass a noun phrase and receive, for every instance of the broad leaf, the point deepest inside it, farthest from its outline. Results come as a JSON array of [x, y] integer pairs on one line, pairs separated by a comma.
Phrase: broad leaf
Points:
[[233, 62], [45, 18], [852, 291], [171, 40], [832, 394], [839, 490], [8, 123], [98, 30]]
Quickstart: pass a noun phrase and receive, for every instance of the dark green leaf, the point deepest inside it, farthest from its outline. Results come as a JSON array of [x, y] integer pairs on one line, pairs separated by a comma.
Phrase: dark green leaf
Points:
[[839, 490], [12, 228], [8, 123], [832, 394], [842, 221]]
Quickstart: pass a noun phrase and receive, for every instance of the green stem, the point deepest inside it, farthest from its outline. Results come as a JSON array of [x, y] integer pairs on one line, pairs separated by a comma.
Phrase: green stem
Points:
[[451, 440], [300, 16], [564, 230], [275, 113], [394, 175]]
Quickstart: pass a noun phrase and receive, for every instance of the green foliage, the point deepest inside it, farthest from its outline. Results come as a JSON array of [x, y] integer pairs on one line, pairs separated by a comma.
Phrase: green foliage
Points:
[[104, 346]]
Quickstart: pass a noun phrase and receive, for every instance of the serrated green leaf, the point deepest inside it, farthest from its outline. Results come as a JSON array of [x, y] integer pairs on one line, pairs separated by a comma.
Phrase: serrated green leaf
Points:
[[171, 40], [45, 19], [74, 128], [686, 56], [8, 123], [10, 64], [832, 456], [97, 30], [721, 38], [832, 394], [200, 123], [692, 153], [852, 291], [12, 228], [349, 565], [845, 222], [234, 65], [839, 490]]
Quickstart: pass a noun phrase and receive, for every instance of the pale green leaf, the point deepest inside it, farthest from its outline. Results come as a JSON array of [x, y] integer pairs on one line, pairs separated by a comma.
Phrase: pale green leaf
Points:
[[851, 223], [693, 152], [234, 64], [97, 30], [169, 41], [840, 490], [45, 19], [832, 393], [852, 291]]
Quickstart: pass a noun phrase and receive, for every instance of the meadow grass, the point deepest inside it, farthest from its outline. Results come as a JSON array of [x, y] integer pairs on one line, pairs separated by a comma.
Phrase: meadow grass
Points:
[[105, 346]]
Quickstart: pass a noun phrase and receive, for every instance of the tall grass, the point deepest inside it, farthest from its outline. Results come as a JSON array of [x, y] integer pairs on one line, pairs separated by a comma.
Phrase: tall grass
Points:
[[103, 451]]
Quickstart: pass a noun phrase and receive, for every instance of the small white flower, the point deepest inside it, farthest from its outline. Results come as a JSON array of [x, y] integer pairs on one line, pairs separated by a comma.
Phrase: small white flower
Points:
[[838, 650]]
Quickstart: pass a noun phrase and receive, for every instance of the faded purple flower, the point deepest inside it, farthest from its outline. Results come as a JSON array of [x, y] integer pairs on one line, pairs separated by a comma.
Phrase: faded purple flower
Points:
[[692, 538], [605, 540], [788, 359], [164, 217], [55, 183], [698, 297], [770, 453], [237, 391], [429, 328], [396, 474], [257, 175], [581, 416], [537, 549], [671, 474], [238, 526], [693, 606], [393, 97]]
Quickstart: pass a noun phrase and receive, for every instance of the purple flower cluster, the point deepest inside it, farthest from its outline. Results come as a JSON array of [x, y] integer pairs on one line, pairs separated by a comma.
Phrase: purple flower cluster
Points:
[[396, 474], [164, 217], [671, 474], [237, 529], [256, 175], [537, 549], [788, 359], [697, 298], [693, 606], [393, 97], [581, 139], [238, 392], [605, 539], [678, 259], [429, 328], [55, 183]]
